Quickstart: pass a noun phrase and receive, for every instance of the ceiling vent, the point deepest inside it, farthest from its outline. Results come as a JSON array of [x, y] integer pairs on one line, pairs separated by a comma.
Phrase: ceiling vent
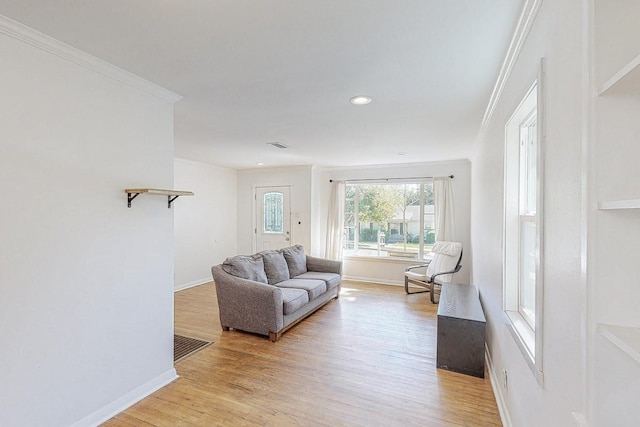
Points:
[[278, 145]]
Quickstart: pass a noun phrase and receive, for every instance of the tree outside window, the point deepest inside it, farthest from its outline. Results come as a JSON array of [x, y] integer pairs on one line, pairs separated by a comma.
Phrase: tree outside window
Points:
[[389, 220]]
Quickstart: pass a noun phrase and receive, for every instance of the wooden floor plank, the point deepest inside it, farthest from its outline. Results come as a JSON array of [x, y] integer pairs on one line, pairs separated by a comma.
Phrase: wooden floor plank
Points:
[[366, 359]]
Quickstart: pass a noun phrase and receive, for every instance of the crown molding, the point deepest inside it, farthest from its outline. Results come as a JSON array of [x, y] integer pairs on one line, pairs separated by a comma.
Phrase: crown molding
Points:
[[525, 23], [454, 162], [28, 35]]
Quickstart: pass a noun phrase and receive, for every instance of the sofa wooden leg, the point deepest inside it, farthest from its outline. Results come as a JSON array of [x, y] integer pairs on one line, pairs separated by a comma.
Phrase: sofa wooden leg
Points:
[[225, 328], [274, 336]]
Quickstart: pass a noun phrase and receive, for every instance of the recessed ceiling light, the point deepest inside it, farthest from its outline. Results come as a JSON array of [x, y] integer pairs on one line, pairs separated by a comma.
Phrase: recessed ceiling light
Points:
[[259, 163], [360, 100]]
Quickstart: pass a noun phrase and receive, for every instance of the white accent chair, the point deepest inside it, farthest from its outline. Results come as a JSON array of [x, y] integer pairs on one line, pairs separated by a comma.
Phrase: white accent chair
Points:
[[444, 262]]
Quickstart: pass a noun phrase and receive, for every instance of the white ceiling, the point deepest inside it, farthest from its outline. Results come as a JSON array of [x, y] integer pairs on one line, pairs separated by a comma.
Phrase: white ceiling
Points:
[[258, 71]]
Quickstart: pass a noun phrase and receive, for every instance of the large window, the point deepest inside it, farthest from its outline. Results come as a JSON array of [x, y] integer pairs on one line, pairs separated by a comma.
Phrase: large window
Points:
[[523, 229], [389, 219]]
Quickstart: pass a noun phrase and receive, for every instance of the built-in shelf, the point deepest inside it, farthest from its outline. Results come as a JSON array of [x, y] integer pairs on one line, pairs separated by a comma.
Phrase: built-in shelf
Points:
[[626, 79], [620, 204], [132, 193], [626, 338]]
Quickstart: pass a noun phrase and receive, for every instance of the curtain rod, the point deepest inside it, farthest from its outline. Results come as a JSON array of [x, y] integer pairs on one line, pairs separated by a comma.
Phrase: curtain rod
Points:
[[388, 179]]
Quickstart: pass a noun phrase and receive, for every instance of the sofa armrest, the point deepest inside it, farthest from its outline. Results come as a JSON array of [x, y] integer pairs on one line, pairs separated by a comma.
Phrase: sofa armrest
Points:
[[247, 305], [323, 265]]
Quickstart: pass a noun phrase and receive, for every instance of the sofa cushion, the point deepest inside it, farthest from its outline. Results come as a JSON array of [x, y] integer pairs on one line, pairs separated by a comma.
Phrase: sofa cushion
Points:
[[331, 279], [293, 299], [275, 266], [250, 267], [315, 288], [296, 260]]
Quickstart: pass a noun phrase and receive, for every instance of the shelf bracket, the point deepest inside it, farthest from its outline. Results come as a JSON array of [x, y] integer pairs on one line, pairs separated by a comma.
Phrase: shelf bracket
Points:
[[170, 200], [132, 193], [130, 198]]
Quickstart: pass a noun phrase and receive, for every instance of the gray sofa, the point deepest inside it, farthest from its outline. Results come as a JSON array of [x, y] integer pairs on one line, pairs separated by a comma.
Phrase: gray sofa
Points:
[[269, 292]]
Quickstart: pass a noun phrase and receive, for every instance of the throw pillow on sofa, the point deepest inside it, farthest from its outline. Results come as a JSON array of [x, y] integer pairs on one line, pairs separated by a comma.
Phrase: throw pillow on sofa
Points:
[[296, 260], [275, 266], [250, 267]]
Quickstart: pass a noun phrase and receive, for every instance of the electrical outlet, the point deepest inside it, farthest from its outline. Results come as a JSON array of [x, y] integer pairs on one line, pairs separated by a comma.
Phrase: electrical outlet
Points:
[[505, 382]]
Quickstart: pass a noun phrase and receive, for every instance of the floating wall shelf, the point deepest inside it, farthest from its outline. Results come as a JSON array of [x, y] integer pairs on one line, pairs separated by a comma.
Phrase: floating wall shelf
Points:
[[626, 79], [625, 338], [132, 193], [620, 204]]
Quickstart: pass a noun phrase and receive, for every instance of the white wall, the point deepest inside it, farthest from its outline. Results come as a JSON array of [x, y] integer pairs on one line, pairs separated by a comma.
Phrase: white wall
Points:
[[614, 235], [205, 225], [557, 35], [392, 271], [86, 311], [298, 178], [319, 208]]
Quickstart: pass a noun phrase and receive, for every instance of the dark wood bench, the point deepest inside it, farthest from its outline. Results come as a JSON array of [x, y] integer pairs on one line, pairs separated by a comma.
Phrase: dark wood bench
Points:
[[461, 325]]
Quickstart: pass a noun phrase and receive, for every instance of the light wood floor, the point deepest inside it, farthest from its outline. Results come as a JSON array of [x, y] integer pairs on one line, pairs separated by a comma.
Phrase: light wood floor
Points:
[[367, 359]]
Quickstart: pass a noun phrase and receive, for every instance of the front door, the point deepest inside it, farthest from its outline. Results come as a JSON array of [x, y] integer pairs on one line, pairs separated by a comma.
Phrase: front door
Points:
[[273, 218]]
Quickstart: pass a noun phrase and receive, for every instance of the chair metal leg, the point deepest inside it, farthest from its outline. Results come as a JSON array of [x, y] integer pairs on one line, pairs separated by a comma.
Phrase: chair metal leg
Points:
[[432, 296], [406, 288]]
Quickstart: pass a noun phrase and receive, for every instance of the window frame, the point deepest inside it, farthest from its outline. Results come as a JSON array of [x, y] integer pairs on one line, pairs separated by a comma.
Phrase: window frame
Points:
[[279, 216], [526, 215], [527, 332], [422, 251]]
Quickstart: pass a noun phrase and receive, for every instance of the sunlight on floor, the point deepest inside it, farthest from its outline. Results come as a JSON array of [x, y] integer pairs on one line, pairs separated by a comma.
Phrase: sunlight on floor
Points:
[[347, 293]]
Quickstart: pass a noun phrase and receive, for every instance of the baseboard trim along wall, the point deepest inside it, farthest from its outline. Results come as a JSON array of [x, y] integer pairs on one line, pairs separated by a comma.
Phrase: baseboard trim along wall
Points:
[[497, 390], [127, 400], [372, 280], [192, 284]]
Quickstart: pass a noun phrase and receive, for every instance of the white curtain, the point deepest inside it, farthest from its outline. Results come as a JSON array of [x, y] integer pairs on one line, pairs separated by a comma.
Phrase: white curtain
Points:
[[443, 207], [335, 221]]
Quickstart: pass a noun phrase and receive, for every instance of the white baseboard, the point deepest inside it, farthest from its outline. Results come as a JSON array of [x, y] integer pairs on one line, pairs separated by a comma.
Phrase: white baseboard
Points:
[[184, 286], [497, 390], [371, 280], [134, 396]]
